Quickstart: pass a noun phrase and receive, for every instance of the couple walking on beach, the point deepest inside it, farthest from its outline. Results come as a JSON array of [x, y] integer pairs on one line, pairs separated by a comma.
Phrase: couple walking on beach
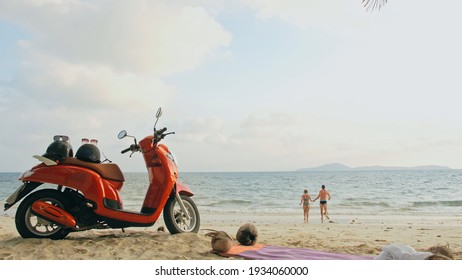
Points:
[[323, 196]]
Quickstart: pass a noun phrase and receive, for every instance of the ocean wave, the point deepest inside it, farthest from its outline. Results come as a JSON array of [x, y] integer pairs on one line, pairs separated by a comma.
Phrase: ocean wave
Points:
[[448, 203], [366, 204], [232, 202]]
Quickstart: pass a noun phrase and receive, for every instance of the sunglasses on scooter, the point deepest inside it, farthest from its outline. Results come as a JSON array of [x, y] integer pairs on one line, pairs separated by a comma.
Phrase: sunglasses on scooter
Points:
[[91, 141], [61, 138]]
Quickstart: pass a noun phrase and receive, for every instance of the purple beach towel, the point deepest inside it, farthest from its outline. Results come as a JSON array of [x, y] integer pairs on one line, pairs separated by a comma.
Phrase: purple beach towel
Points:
[[270, 252]]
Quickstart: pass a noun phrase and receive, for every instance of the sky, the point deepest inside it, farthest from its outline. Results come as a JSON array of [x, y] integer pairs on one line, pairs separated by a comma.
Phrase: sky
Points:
[[253, 85]]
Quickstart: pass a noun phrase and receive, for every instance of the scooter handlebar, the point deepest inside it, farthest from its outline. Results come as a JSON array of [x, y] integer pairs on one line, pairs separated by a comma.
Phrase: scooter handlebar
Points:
[[159, 135], [160, 131], [126, 150], [133, 148]]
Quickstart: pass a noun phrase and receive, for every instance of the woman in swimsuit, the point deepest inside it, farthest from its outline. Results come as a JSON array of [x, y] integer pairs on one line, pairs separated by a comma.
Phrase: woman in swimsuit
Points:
[[305, 200]]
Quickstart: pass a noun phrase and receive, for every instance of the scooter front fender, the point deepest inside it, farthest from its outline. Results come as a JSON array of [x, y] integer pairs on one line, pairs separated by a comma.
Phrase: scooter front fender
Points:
[[183, 189]]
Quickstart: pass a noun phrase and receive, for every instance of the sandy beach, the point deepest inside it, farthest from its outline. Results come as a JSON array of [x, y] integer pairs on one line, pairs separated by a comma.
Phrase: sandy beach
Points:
[[352, 235]]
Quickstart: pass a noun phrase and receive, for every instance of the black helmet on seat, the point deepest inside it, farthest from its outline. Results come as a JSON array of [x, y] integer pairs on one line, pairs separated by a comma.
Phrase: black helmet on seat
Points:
[[59, 150], [89, 153]]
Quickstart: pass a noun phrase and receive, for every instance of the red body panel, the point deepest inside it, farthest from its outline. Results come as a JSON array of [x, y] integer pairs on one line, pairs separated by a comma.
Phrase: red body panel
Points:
[[162, 171], [87, 181]]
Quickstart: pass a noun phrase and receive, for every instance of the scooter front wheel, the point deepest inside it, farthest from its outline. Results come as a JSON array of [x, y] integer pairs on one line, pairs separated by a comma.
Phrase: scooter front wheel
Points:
[[176, 220], [30, 225]]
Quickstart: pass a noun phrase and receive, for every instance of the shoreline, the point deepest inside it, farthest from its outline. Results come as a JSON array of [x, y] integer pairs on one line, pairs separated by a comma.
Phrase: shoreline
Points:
[[363, 235]]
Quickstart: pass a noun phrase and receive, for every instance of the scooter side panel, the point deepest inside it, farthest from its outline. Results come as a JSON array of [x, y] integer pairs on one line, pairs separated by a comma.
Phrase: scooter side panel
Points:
[[84, 180], [163, 173], [93, 187]]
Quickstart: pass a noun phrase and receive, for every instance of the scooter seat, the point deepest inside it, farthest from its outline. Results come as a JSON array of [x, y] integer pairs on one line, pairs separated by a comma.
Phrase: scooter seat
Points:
[[109, 171]]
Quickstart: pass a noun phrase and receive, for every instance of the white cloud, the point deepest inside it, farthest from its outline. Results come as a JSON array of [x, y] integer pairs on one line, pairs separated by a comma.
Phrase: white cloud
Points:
[[89, 68], [361, 88], [109, 53], [140, 36], [204, 131], [339, 15], [54, 82]]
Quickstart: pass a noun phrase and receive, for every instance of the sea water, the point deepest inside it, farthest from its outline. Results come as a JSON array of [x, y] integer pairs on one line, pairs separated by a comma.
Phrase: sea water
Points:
[[412, 193]]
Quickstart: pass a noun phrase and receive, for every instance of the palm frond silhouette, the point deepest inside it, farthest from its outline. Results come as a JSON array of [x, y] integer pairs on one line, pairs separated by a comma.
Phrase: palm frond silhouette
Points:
[[372, 5]]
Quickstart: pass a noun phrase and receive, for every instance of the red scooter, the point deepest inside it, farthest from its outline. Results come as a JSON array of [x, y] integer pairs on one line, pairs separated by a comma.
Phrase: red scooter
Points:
[[87, 192]]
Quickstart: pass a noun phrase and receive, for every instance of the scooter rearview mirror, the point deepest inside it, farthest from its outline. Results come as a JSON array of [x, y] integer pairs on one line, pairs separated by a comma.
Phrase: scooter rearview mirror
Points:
[[159, 112], [122, 134]]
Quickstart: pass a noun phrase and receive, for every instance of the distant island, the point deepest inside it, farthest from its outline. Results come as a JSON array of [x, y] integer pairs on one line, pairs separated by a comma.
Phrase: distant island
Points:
[[342, 167]]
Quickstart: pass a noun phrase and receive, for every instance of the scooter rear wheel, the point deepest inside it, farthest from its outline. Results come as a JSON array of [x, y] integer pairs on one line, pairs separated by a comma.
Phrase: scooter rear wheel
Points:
[[30, 225], [175, 219]]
